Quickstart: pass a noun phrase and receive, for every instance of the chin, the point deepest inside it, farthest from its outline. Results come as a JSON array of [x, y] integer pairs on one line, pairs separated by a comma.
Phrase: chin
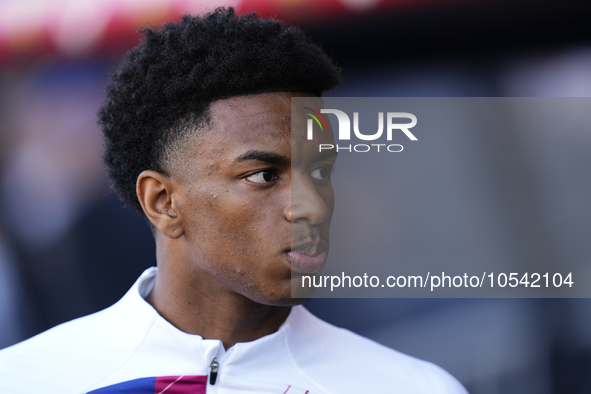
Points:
[[297, 297], [290, 302], [287, 299]]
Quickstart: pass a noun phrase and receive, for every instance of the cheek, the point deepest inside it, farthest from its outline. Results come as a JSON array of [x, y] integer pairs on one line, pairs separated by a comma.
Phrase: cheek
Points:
[[235, 228], [231, 226], [328, 196]]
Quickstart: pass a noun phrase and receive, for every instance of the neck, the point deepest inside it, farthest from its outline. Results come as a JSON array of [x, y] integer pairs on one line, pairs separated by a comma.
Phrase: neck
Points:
[[197, 306]]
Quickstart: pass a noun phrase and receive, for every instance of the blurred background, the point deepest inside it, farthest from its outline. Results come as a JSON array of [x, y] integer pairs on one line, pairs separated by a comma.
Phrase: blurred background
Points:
[[69, 248]]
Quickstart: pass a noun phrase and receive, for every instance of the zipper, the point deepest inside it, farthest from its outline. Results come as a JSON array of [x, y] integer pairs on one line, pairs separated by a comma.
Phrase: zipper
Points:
[[214, 371]]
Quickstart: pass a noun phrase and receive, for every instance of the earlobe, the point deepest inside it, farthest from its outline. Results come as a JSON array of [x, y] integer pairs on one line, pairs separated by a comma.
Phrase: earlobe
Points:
[[155, 192]]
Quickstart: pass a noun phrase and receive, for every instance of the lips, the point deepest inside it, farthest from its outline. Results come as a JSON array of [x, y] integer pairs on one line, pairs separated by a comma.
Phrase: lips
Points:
[[308, 257]]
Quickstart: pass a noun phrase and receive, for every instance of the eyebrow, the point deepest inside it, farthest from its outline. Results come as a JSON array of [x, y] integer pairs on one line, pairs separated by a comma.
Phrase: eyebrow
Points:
[[266, 157]]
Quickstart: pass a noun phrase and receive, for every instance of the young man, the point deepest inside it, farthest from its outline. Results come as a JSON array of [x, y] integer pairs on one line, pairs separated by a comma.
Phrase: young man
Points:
[[197, 126]]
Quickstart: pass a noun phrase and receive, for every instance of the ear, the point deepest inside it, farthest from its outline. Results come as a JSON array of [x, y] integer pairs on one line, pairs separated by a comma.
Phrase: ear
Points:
[[155, 192]]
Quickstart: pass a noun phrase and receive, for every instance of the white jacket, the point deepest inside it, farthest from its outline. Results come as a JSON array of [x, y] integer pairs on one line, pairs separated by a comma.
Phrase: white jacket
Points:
[[130, 348]]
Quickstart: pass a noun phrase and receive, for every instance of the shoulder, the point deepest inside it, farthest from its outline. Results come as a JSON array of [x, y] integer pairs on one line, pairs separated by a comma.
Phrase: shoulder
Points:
[[328, 353], [74, 355]]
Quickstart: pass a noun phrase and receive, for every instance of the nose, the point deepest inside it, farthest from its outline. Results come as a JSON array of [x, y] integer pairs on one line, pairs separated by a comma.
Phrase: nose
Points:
[[306, 203]]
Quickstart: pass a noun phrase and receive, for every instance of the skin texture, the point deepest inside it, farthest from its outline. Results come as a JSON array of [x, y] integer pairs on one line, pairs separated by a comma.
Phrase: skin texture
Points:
[[227, 217]]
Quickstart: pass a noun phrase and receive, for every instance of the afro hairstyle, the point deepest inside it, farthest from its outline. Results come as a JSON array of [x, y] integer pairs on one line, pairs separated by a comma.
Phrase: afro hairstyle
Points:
[[163, 88]]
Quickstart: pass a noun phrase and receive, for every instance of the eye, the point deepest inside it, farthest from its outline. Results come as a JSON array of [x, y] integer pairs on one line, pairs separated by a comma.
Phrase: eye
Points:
[[264, 176], [321, 173]]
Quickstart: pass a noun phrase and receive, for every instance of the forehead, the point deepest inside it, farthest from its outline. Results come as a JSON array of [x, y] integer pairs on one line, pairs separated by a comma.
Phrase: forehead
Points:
[[261, 122], [263, 117], [243, 124]]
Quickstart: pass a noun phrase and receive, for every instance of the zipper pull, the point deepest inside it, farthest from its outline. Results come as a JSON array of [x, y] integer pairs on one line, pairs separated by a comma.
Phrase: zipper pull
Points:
[[214, 371]]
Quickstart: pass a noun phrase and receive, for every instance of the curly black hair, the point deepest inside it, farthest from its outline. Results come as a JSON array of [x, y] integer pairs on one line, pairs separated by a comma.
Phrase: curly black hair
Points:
[[163, 88]]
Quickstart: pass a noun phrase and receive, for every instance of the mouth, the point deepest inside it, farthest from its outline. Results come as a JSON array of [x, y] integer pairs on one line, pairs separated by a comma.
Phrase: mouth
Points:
[[307, 257]]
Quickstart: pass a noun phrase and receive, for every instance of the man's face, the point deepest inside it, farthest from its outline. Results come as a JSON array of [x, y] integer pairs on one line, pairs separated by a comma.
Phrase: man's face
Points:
[[245, 198]]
